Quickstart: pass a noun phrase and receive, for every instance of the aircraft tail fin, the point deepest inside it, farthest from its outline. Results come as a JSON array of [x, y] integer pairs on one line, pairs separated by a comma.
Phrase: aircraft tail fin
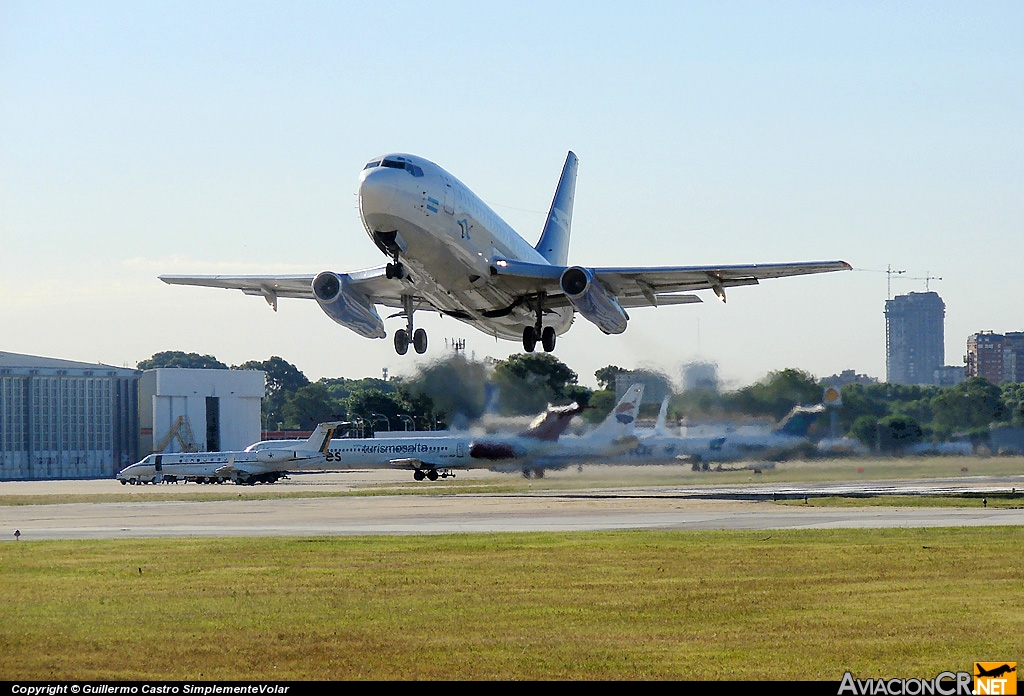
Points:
[[320, 440], [798, 421], [550, 425], [621, 420], [554, 240], [659, 426]]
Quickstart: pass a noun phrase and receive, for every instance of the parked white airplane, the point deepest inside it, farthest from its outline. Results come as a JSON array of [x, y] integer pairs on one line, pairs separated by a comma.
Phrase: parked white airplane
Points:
[[660, 446], [613, 437], [248, 466], [452, 254], [535, 449]]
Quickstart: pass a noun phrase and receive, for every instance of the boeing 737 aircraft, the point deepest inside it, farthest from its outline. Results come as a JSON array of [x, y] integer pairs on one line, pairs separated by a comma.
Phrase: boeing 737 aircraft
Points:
[[450, 253]]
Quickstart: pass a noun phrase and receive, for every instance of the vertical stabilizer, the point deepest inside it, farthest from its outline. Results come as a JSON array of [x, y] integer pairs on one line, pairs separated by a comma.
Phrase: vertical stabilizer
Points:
[[798, 421], [554, 240], [321, 437], [621, 420], [659, 426]]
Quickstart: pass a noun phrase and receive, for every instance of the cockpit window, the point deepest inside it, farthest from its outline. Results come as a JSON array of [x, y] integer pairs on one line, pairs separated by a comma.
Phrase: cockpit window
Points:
[[371, 165], [402, 164]]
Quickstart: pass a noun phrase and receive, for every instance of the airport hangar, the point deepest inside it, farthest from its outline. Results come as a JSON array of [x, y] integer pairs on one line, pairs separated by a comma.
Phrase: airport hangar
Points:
[[61, 419]]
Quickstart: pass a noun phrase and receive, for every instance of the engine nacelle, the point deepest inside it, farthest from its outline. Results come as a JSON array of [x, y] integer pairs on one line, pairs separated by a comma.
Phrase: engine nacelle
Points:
[[492, 451], [346, 305], [592, 301], [271, 456]]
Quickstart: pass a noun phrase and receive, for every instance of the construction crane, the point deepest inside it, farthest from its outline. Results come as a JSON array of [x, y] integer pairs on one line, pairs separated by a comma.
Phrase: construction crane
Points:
[[927, 278], [890, 272]]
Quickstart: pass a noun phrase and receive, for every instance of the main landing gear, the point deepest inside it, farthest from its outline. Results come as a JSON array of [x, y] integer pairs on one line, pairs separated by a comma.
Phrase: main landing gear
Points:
[[539, 332], [432, 474], [418, 337], [547, 338]]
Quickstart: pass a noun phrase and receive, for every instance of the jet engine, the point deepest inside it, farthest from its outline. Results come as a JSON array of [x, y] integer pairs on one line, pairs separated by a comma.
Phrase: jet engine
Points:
[[346, 305], [492, 451], [592, 301], [271, 456]]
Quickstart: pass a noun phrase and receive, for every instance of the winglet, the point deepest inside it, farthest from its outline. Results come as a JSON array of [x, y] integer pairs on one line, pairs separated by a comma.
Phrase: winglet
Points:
[[554, 240]]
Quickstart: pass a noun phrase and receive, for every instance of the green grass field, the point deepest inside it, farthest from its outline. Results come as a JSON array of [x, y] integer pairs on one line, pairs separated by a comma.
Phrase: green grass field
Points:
[[629, 605]]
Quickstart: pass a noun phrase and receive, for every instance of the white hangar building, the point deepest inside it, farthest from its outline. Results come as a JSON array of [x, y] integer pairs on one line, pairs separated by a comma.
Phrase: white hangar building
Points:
[[199, 410]]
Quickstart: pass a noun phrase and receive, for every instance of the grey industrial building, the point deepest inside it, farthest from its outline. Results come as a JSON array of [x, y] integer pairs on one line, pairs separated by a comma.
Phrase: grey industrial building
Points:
[[61, 419], [65, 419], [914, 338]]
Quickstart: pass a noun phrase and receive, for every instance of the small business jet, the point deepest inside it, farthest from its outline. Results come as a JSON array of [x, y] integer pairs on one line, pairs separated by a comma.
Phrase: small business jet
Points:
[[247, 467], [450, 253]]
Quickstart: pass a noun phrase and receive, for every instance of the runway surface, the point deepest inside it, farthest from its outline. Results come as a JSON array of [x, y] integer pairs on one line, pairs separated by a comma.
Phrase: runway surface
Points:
[[736, 507]]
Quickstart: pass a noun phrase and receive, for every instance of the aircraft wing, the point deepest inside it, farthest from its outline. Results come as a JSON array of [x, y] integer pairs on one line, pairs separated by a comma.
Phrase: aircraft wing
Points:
[[655, 285], [372, 282]]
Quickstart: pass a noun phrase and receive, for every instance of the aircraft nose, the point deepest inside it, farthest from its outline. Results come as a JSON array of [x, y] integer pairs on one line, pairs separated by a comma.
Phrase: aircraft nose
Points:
[[376, 191]]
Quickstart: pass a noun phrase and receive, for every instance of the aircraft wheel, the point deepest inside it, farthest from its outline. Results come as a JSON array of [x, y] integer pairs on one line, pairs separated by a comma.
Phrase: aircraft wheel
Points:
[[538, 473], [418, 475], [401, 341], [432, 474], [547, 339], [124, 482], [529, 339], [394, 271], [419, 341]]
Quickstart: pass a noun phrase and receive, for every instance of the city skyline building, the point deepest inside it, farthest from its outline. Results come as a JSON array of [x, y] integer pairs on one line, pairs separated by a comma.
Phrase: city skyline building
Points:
[[997, 358], [914, 338]]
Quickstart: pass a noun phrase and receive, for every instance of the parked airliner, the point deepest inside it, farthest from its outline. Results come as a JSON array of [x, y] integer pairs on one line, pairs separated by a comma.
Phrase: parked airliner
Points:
[[450, 253], [661, 447], [531, 452]]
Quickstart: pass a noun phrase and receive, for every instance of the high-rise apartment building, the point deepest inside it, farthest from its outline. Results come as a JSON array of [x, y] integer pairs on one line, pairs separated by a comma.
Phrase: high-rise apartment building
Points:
[[996, 357], [914, 338]]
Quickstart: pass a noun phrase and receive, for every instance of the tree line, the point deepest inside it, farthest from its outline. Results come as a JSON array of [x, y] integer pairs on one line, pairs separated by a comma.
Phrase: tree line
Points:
[[454, 391]]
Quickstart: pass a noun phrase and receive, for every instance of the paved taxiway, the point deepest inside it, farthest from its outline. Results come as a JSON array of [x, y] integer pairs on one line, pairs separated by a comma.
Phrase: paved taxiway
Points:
[[643, 507]]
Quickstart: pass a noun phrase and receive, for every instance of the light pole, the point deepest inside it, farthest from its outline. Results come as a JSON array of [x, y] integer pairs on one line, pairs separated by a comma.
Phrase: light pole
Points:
[[378, 416]]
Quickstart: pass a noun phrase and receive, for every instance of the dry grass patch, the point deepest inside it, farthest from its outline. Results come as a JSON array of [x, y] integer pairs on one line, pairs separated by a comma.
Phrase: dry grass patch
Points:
[[623, 605]]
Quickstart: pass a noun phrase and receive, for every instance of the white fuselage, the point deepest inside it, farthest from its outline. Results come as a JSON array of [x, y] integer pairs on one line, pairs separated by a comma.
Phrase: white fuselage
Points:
[[662, 449], [448, 239], [446, 452], [214, 465], [441, 452]]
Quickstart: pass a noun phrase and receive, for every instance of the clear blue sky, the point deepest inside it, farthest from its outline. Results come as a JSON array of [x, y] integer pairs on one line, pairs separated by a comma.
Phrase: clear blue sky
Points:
[[194, 137]]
